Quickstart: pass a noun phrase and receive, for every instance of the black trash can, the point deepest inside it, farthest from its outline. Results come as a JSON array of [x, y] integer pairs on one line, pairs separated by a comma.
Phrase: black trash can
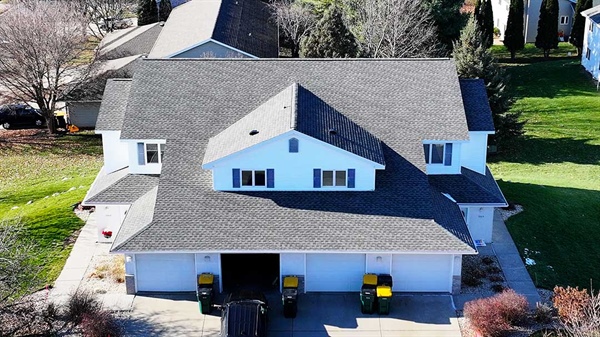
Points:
[[289, 296], [367, 299], [385, 280], [384, 297], [205, 292]]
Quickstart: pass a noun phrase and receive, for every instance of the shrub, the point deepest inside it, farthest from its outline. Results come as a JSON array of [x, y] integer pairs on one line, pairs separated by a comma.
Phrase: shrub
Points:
[[570, 302], [81, 303], [114, 269], [487, 260], [100, 324], [543, 313], [497, 288], [513, 306], [493, 270], [493, 316], [470, 280], [495, 278]]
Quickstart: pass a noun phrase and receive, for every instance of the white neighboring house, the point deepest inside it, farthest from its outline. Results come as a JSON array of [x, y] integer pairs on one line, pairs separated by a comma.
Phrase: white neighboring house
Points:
[[590, 53], [566, 12], [283, 167]]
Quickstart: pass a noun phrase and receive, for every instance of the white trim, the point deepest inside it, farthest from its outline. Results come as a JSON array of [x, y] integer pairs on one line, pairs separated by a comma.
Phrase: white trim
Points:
[[304, 272], [481, 205], [290, 252], [485, 132], [135, 276], [220, 274], [205, 42]]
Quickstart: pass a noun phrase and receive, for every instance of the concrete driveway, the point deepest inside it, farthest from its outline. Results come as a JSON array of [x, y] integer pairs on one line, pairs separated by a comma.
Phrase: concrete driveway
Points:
[[318, 315]]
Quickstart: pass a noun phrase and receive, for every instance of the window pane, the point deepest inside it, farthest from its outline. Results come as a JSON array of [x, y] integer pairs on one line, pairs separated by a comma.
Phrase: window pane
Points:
[[327, 178], [246, 178], [162, 150], [340, 178], [259, 178], [426, 150], [437, 153], [152, 153]]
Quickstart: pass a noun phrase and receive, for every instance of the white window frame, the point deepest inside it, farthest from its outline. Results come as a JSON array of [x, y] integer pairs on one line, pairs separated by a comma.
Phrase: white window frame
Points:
[[160, 152], [564, 20], [253, 178], [431, 145], [334, 178]]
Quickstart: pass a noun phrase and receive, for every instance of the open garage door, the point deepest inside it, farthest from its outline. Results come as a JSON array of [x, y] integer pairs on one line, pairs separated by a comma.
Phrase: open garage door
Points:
[[334, 272], [165, 272], [422, 273], [259, 272]]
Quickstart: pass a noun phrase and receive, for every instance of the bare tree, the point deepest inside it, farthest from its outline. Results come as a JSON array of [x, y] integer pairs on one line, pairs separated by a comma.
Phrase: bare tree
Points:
[[295, 19], [587, 323], [44, 53], [393, 28], [101, 13]]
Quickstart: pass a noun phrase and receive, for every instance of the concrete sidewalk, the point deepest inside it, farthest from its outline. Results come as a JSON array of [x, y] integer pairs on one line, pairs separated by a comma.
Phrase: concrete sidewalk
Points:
[[76, 267], [515, 273]]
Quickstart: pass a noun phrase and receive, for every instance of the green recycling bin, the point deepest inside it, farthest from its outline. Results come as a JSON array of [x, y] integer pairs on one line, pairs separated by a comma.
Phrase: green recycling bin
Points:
[[205, 292], [367, 299], [384, 297]]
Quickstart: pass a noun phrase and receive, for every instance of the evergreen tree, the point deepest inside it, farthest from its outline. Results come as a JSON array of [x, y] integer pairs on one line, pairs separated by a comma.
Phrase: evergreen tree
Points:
[[330, 38], [474, 60], [578, 29], [164, 9], [484, 18], [513, 35], [147, 12], [547, 33], [448, 20]]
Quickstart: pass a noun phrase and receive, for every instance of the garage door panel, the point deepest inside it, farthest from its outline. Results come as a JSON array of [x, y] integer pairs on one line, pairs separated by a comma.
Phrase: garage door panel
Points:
[[422, 273], [165, 272], [334, 272]]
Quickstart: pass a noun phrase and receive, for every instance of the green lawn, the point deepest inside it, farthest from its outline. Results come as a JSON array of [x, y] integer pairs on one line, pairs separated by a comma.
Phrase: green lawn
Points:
[[41, 179], [555, 173], [531, 53]]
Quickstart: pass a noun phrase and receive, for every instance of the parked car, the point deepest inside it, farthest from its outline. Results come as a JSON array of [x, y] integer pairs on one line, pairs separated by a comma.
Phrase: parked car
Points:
[[244, 314], [22, 115]]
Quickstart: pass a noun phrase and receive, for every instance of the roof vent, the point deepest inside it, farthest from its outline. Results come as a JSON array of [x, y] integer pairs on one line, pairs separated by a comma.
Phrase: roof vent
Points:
[[332, 131], [253, 132]]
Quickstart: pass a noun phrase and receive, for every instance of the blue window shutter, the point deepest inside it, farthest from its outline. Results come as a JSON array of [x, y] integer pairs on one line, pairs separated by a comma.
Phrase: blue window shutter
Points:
[[293, 145], [270, 178], [448, 155], [351, 174], [141, 155], [236, 178], [317, 178], [426, 149]]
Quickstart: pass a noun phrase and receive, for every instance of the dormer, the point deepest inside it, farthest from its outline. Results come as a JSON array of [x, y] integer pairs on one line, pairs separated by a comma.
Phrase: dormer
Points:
[[294, 142]]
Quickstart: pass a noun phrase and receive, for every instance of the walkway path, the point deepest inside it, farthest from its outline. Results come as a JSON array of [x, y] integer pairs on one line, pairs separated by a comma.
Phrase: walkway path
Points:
[[515, 273]]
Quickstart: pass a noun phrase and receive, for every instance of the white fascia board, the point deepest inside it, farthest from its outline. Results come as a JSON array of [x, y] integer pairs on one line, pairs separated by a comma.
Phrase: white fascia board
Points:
[[482, 204], [214, 41], [449, 252], [440, 141], [483, 132], [156, 140]]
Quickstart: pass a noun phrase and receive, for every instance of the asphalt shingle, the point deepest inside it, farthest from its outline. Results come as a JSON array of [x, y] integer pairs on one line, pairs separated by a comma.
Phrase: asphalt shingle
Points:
[[114, 103], [477, 107], [469, 187], [126, 190]]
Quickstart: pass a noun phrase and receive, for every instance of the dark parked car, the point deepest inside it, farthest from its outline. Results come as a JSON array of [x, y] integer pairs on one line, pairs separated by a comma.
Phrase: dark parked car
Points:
[[244, 314], [20, 115]]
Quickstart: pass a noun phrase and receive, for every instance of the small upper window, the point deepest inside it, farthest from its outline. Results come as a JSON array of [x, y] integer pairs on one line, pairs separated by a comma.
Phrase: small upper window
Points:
[[293, 144], [154, 153], [564, 20], [253, 178]]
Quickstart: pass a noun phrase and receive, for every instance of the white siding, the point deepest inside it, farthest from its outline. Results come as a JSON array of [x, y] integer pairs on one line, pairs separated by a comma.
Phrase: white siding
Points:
[[134, 166], [165, 272], [480, 221], [293, 171], [591, 40], [379, 263], [116, 152], [292, 263], [110, 217], [474, 153], [334, 272], [441, 168], [210, 50], [422, 273], [500, 10]]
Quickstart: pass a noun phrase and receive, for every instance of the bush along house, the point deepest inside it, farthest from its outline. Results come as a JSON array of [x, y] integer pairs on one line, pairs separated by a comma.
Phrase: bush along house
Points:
[[254, 169]]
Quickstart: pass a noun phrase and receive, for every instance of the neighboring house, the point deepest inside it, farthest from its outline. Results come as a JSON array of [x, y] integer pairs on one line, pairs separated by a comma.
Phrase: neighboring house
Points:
[[566, 13], [590, 53], [325, 169], [218, 29]]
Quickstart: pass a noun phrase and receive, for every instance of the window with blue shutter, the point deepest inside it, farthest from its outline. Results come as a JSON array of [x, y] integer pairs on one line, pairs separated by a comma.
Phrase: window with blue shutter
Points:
[[141, 154], [448, 155], [236, 177], [293, 145], [270, 178], [317, 178], [351, 178]]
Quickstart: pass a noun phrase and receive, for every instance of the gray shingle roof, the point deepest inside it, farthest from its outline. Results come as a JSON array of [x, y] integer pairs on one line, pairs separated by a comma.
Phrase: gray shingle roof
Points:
[[242, 24], [469, 187], [114, 103], [295, 108], [125, 191], [103, 181], [400, 101], [477, 108], [128, 42], [138, 216]]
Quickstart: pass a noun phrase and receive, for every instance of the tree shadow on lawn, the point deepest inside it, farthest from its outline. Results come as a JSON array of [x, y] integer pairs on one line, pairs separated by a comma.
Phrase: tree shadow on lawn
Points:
[[537, 151], [38, 141]]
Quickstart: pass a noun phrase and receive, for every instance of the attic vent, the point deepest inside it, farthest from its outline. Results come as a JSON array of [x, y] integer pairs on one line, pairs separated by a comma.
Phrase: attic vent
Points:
[[332, 131], [253, 132]]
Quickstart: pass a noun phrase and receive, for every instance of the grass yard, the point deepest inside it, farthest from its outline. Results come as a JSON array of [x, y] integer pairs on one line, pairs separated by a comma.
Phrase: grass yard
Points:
[[555, 174], [41, 178], [532, 54]]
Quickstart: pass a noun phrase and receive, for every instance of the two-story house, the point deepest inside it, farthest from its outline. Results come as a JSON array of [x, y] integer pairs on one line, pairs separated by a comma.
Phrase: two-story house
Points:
[[590, 53], [253, 169]]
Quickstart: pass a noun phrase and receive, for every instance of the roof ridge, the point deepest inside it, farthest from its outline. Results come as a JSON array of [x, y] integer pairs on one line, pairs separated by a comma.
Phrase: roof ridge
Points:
[[438, 59], [294, 107]]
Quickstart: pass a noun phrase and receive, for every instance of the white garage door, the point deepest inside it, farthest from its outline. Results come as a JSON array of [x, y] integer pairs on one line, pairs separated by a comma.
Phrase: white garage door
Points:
[[165, 272], [334, 272], [422, 272]]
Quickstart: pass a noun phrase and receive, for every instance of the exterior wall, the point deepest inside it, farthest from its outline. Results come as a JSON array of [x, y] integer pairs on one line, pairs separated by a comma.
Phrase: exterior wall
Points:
[[591, 40], [500, 10], [134, 166], [457, 274], [83, 114], [474, 153], [211, 50], [480, 221], [379, 263], [293, 171], [210, 263], [116, 152], [292, 264], [130, 274], [565, 8], [110, 217], [441, 168], [532, 16]]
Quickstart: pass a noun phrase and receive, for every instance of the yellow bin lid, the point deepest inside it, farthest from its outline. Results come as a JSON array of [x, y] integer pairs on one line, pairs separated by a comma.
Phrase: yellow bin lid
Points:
[[206, 278], [370, 279], [290, 282], [384, 291]]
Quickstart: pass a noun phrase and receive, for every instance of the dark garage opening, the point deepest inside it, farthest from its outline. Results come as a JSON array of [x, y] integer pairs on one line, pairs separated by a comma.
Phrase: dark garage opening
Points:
[[258, 272]]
